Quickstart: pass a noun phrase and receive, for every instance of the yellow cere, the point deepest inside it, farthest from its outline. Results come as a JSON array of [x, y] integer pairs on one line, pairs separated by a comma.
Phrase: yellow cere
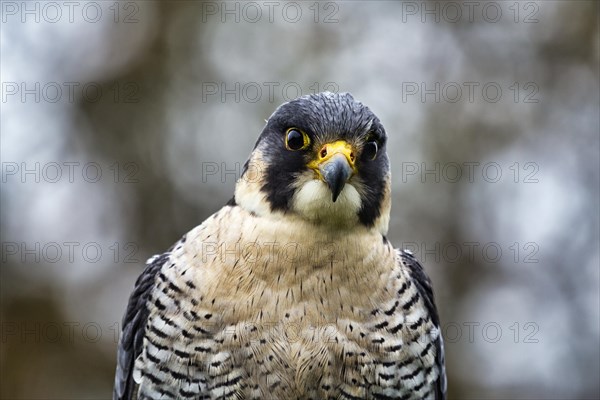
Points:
[[331, 149]]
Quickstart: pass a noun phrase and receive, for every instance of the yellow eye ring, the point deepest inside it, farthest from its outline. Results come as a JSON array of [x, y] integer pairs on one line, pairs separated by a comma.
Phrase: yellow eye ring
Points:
[[295, 139]]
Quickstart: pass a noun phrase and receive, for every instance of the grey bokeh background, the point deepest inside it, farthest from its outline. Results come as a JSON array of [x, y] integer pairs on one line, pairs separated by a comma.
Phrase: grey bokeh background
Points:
[[496, 191]]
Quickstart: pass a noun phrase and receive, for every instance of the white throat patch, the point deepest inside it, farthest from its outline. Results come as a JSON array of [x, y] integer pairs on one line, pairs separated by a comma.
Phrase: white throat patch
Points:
[[312, 200]]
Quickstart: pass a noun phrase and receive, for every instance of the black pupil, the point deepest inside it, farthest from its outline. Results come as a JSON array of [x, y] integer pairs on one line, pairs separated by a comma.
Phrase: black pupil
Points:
[[295, 140], [370, 150]]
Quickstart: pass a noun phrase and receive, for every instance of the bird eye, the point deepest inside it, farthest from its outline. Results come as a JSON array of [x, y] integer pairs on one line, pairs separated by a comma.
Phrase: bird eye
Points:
[[370, 150], [295, 139]]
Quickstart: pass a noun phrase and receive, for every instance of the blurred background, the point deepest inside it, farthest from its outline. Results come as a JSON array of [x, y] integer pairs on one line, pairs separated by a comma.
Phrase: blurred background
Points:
[[125, 124]]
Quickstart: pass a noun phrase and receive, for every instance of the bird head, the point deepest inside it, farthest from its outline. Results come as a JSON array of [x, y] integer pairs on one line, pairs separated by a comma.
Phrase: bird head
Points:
[[322, 158]]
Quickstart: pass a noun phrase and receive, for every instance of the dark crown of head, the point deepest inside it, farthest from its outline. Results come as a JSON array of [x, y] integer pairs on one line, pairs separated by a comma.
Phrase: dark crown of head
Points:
[[328, 116]]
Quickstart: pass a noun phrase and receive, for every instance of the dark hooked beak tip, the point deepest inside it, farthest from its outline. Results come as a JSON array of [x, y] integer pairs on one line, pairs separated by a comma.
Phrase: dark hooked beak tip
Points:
[[336, 171]]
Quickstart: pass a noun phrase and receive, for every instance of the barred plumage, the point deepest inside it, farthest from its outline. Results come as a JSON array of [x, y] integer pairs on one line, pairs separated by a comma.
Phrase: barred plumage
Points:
[[226, 313]]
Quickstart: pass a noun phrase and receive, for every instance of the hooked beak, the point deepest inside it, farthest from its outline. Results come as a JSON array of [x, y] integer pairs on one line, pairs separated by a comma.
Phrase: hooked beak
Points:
[[335, 165]]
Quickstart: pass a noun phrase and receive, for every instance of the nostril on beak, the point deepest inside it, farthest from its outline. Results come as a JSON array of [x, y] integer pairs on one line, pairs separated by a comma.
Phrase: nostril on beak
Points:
[[323, 153], [352, 156]]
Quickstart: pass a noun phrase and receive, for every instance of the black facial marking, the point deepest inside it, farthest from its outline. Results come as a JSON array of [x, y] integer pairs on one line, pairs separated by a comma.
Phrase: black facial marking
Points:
[[325, 118], [370, 150]]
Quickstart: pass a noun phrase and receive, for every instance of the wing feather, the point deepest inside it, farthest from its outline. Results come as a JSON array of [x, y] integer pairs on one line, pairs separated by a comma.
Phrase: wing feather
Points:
[[423, 284], [133, 329]]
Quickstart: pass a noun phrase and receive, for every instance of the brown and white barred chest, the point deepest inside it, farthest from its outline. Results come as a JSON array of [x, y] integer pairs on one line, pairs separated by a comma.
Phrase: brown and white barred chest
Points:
[[305, 328]]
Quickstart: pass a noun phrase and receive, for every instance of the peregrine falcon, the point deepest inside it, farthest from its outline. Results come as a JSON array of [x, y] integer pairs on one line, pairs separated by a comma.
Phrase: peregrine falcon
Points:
[[292, 289]]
